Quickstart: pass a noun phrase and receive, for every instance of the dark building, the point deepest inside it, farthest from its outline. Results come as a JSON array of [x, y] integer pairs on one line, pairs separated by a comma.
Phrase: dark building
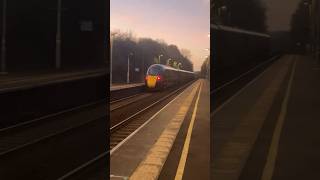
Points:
[[314, 6], [31, 31]]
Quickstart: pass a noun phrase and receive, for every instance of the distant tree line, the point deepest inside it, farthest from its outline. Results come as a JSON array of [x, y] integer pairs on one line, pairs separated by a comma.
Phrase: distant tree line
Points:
[[244, 14], [143, 52]]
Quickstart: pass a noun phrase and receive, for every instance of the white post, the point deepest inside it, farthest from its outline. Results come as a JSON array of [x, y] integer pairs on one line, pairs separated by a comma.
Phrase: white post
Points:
[[111, 49], [168, 62], [159, 58], [128, 70], [58, 35], [3, 37]]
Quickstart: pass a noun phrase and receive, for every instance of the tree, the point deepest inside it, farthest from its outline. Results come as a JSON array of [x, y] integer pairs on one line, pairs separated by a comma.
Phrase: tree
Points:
[[186, 53], [245, 14], [146, 52]]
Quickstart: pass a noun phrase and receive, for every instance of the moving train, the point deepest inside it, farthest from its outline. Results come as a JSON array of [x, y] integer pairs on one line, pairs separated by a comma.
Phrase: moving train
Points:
[[160, 76], [235, 51], [237, 47]]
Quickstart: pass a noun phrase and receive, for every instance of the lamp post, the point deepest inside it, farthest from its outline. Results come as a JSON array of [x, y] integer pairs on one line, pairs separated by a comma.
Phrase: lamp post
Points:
[[316, 5], [309, 42], [159, 58], [111, 56], [3, 37], [128, 70], [207, 59], [168, 62], [58, 35], [111, 48]]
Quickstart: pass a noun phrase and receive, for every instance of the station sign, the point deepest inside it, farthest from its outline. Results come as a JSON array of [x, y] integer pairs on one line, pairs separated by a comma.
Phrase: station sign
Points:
[[86, 26]]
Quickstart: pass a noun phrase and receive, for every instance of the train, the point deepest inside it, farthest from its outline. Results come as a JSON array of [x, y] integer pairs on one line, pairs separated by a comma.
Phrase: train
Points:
[[234, 46], [160, 76], [235, 51]]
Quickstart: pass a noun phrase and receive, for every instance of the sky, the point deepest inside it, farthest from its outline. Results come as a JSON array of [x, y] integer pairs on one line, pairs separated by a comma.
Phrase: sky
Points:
[[185, 23], [279, 13]]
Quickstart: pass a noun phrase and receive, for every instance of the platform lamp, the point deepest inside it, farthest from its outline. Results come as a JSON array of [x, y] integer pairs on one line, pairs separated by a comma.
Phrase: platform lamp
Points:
[[308, 6], [128, 70], [168, 62], [112, 34], [3, 37], [58, 36], [159, 58]]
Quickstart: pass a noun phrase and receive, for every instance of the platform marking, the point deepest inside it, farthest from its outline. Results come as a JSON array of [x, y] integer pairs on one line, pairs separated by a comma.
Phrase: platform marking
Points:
[[273, 150], [113, 150], [239, 92], [118, 177], [235, 151], [150, 167], [184, 154]]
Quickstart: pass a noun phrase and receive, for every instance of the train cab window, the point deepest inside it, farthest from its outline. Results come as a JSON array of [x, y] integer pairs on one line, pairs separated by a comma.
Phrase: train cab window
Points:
[[154, 71]]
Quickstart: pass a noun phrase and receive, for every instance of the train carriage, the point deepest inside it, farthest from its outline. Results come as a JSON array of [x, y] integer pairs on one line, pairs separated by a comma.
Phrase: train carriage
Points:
[[160, 76]]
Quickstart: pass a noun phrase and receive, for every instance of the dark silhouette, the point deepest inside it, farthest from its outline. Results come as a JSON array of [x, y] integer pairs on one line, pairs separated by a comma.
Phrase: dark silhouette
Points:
[[300, 27], [244, 14], [144, 52], [31, 29]]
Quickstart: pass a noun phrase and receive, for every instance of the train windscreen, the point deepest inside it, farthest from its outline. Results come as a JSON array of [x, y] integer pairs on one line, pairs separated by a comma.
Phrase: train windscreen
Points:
[[154, 71]]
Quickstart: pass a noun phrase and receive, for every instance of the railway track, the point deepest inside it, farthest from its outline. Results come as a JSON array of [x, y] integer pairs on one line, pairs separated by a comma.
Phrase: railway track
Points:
[[222, 92], [121, 103], [19, 141], [120, 132], [21, 126]]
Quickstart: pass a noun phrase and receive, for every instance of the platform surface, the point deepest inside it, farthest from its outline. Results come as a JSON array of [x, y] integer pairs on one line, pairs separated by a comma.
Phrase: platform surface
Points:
[[145, 155], [269, 130], [13, 81]]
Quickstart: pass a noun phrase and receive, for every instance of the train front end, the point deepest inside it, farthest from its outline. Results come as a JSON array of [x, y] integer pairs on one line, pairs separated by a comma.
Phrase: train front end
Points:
[[154, 77]]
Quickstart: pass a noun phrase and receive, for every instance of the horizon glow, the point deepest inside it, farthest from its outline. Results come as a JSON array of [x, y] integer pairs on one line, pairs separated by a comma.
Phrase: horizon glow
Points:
[[185, 23]]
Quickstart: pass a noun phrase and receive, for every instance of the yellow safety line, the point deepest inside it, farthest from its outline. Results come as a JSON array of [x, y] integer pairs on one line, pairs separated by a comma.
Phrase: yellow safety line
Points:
[[273, 151], [150, 167], [186, 145]]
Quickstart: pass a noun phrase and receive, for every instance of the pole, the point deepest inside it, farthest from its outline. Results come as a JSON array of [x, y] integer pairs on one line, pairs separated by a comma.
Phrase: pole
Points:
[[3, 38], [111, 49], [318, 28], [128, 70], [159, 58], [58, 35]]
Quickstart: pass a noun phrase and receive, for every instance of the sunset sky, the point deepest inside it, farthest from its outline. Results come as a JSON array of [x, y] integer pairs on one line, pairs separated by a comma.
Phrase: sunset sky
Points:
[[185, 23], [279, 13]]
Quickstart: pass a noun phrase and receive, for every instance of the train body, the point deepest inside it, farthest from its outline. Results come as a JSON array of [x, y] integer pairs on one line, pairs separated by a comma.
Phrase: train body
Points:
[[235, 51], [233, 46], [160, 76]]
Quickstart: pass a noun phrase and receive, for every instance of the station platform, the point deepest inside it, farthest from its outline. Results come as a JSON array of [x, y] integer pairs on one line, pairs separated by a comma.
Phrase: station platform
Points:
[[119, 86], [269, 130], [13, 81], [175, 142]]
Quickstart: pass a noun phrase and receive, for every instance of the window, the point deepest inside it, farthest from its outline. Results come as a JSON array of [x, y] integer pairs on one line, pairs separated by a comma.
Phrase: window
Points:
[[154, 71]]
